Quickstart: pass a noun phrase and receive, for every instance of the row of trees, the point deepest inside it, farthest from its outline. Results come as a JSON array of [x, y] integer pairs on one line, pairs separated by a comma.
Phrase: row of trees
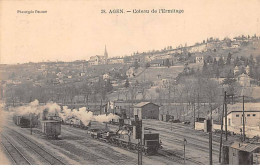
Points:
[[65, 93]]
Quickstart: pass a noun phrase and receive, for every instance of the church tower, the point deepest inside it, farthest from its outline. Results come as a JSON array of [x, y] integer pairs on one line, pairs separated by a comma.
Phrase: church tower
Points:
[[105, 54]]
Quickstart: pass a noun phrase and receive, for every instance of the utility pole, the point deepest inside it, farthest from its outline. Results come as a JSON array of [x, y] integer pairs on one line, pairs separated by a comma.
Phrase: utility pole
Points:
[[194, 117], [184, 144], [198, 106], [220, 146], [210, 137], [114, 107], [138, 156], [140, 144], [101, 106], [244, 135], [31, 122], [106, 115], [225, 100]]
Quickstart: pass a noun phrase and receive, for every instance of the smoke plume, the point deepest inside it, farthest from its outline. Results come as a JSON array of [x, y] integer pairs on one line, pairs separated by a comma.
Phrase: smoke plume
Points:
[[53, 109]]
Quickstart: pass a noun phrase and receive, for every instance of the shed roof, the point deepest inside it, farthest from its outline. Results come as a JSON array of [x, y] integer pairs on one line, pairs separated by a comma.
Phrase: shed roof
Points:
[[141, 104], [245, 147]]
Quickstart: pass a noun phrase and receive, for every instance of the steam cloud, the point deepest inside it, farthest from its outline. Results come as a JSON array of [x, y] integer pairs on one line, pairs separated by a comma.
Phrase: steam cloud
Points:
[[85, 116], [35, 108], [53, 109]]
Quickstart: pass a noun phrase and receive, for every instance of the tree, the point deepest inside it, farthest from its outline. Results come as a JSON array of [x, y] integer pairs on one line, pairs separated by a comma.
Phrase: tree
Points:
[[228, 59], [127, 83], [147, 65], [86, 91], [217, 73], [72, 92], [221, 62], [205, 69], [108, 86], [251, 60], [229, 80], [136, 64], [167, 63], [236, 62]]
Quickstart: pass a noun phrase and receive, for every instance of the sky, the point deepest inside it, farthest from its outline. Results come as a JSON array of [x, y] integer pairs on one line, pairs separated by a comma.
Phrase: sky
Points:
[[76, 29]]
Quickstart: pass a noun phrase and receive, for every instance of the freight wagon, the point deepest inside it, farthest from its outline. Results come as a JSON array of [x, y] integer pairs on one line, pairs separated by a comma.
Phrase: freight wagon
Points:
[[24, 121], [51, 128]]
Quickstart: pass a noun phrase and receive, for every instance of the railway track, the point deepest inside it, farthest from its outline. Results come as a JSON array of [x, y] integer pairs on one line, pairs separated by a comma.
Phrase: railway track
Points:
[[163, 153], [178, 158], [191, 144], [192, 140], [47, 156], [13, 152]]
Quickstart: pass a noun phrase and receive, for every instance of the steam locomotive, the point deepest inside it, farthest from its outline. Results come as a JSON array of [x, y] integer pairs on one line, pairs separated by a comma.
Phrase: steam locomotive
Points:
[[126, 137], [75, 122]]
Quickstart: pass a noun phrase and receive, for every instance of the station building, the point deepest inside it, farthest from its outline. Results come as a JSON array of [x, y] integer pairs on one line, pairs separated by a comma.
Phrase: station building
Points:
[[252, 115], [146, 110]]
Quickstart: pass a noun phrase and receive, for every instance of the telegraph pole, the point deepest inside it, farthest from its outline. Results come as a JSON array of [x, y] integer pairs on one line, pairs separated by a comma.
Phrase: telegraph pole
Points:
[[31, 122], [194, 115], [140, 144], [138, 157], [225, 100], [220, 146], [198, 106], [210, 137], [184, 143], [101, 106], [244, 135]]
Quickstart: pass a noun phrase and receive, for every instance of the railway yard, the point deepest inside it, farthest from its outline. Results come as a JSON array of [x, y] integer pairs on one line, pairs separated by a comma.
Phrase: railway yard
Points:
[[76, 146]]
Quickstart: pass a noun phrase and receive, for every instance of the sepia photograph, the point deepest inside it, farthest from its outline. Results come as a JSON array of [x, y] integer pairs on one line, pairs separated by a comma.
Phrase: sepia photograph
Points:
[[148, 82]]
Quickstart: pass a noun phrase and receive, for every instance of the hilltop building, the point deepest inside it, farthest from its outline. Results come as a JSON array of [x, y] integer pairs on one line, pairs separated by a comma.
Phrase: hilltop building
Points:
[[99, 59]]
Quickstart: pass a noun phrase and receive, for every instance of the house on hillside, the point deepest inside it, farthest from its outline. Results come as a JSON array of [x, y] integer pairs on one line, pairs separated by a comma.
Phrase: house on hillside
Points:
[[115, 61], [156, 63], [106, 77], [235, 45], [199, 59], [244, 80], [130, 72], [146, 110]]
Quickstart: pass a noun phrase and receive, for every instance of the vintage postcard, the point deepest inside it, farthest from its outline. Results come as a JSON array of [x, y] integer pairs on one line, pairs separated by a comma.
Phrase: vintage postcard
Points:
[[149, 82]]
